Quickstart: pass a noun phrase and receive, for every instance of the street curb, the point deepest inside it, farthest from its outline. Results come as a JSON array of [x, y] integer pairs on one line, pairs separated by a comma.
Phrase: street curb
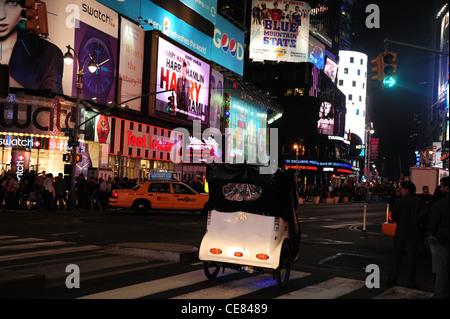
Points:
[[15, 284], [162, 251]]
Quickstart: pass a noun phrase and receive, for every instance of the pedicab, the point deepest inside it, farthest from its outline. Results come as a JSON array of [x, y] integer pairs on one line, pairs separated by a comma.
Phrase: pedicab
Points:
[[251, 224]]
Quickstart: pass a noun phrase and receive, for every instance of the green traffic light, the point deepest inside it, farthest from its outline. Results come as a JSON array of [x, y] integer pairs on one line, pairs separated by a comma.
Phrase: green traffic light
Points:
[[389, 81]]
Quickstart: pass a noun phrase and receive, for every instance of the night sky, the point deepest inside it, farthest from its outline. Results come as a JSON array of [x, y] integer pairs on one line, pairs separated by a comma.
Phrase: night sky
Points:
[[393, 109]]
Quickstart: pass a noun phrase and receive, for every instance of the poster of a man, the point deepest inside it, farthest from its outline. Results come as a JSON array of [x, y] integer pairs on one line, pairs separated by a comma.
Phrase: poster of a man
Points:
[[183, 90]]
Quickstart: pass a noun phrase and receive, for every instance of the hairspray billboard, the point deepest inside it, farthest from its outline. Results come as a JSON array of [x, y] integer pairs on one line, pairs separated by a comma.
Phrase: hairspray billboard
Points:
[[279, 31]]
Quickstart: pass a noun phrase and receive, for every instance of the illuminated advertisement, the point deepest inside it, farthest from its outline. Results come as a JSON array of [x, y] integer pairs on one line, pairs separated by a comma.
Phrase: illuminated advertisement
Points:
[[37, 63], [331, 68], [279, 31], [141, 140], [215, 111], [206, 8], [189, 76], [156, 18], [131, 64], [316, 53], [325, 125], [228, 48], [246, 132]]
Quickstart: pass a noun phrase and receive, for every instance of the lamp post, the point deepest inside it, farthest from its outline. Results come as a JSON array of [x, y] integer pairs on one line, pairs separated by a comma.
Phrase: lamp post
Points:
[[296, 163], [369, 132], [92, 67]]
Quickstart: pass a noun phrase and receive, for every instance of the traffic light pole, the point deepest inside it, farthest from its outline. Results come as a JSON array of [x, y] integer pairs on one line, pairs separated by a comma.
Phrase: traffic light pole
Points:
[[386, 41]]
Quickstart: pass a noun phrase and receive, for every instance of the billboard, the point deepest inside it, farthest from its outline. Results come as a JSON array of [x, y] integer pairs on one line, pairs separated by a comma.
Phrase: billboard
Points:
[[37, 63], [131, 64], [228, 48], [325, 125], [246, 135], [189, 76], [279, 31]]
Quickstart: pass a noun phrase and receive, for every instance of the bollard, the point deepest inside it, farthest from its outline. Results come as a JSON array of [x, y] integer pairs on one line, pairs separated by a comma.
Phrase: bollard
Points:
[[364, 218], [387, 213]]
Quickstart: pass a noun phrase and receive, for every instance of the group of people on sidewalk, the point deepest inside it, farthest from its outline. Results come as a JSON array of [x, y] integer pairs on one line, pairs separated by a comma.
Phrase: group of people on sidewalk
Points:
[[417, 218]]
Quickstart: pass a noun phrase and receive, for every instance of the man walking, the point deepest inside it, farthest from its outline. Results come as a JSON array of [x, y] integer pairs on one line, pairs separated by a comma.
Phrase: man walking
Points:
[[408, 212], [438, 240]]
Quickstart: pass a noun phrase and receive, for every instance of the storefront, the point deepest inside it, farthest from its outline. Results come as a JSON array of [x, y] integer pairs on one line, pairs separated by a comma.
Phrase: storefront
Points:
[[136, 148]]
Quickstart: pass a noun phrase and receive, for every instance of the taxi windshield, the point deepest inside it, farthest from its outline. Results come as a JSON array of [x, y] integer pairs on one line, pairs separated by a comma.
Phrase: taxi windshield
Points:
[[241, 192], [136, 187]]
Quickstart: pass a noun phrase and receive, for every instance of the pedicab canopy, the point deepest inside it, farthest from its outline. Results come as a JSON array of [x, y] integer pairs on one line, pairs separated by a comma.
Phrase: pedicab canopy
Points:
[[241, 187]]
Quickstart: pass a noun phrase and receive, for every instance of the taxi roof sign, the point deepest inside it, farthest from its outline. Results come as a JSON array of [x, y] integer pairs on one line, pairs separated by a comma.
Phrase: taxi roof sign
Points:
[[162, 176]]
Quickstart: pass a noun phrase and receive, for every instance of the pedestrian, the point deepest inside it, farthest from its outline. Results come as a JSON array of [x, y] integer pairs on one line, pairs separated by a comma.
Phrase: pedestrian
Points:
[[82, 193], [103, 193], [438, 225], [60, 192], [48, 192], [408, 212], [11, 188]]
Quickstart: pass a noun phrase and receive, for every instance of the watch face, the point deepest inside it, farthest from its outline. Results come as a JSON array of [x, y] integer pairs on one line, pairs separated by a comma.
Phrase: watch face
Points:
[[102, 129], [99, 83]]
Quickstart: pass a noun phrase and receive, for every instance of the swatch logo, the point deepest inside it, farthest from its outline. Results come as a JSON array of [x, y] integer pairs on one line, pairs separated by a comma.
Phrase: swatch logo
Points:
[[223, 41]]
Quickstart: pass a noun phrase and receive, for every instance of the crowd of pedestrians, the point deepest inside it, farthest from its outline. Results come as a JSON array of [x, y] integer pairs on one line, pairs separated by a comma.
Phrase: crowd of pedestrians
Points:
[[46, 192]]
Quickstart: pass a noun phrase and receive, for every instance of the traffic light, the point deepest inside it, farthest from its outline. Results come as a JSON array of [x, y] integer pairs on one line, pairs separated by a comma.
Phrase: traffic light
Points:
[[226, 111], [377, 68], [389, 69], [30, 14], [170, 105], [36, 17], [42, 19], [79, 158]]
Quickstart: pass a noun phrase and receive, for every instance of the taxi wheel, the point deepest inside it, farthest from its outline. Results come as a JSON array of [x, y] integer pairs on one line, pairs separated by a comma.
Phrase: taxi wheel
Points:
[[283, 271], [141, 206], [211, 270]]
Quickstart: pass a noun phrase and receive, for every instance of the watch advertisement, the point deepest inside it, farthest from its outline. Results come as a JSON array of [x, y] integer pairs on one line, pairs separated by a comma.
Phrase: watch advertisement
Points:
[[189, 76]]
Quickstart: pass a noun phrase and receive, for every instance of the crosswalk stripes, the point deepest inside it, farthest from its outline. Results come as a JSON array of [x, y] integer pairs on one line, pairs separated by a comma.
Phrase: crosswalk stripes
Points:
[[191, 284]]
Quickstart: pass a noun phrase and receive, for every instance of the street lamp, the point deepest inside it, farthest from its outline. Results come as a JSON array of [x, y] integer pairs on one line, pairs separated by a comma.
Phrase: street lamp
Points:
[[92, 67], [296, 162], [369, 132]]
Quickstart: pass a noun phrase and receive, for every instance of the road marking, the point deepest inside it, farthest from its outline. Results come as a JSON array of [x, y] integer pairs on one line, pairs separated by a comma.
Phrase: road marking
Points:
[[35, 245], [48, 252], [236, 288], [151, 287], [329, 289], [404, 293]]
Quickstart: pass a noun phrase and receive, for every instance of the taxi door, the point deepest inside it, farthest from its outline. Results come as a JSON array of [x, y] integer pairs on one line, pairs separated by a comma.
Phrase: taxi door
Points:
[[185, 198], [159, 195]]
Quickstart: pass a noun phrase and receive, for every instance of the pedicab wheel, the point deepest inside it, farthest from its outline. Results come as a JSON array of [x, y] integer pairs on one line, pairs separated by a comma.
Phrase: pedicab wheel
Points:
[[211, 270], [283, 271]]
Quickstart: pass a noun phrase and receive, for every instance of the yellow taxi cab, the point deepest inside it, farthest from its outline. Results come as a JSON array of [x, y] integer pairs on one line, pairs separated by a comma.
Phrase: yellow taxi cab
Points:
[[159, 194]]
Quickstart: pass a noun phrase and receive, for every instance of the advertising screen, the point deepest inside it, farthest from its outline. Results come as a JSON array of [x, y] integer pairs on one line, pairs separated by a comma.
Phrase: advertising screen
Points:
[[247, 132], [325, 125], [189, 76], [331, 68], [131, 63], [37, 63], [279, 30]]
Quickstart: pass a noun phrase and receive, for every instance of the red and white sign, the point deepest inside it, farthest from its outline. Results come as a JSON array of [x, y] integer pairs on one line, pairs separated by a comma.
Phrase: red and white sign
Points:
[[20, 162], [141, 140]]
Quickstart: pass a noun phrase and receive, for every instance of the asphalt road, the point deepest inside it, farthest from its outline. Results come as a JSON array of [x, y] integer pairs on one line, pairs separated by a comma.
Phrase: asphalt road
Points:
[[333, 244]]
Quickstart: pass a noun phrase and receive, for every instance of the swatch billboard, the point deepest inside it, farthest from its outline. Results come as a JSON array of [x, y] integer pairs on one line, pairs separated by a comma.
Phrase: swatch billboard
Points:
[[37, 63]]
